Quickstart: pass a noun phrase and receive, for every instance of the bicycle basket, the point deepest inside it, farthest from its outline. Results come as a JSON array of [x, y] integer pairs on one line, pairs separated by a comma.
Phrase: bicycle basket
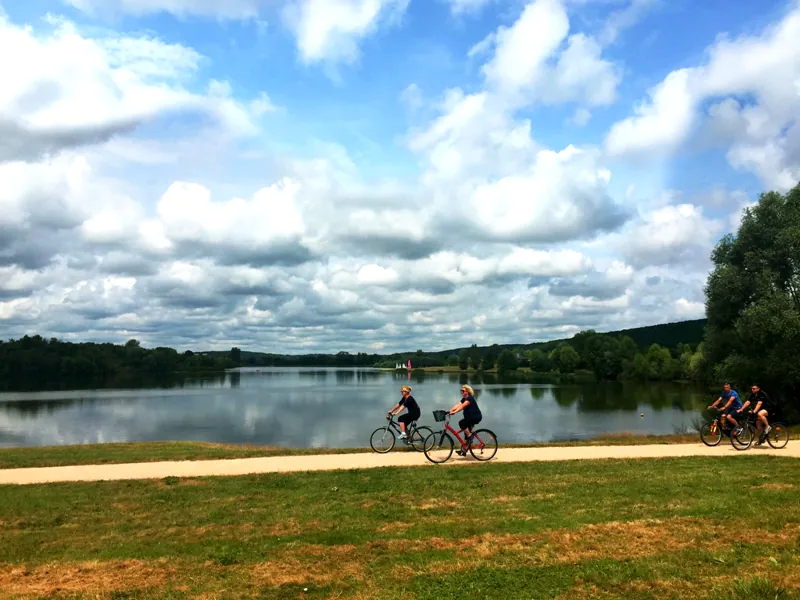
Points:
[[440, 415]]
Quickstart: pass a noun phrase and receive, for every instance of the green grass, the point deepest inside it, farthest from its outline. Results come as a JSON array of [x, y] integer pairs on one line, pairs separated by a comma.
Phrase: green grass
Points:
[[54, 456], [666, 528]]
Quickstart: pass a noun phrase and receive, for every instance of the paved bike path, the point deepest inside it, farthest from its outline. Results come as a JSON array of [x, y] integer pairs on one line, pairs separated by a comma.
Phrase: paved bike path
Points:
[[330, 462]]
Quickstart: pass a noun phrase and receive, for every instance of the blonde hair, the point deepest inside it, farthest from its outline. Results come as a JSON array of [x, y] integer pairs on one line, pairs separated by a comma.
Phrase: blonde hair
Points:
[[469, 389], [406, 388]]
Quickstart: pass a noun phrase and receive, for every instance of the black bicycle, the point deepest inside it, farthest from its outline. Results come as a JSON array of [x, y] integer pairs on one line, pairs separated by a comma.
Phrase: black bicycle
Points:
[[777, 437], [747, 431], [383, 439]]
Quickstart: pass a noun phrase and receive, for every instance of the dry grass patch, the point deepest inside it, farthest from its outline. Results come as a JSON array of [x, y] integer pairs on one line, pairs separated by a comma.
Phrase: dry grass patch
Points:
[[311, 564], [773, 486], [505, 499], [628, 540], [434, 503], [90, 576], [395, 527]]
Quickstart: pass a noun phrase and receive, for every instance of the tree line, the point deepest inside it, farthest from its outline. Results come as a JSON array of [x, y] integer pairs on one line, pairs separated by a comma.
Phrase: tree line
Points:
[[603, 356], [36, 360]]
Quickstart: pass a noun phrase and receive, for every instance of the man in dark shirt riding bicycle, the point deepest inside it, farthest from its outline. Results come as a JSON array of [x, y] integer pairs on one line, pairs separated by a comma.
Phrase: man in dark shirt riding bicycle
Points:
[[762, 406]]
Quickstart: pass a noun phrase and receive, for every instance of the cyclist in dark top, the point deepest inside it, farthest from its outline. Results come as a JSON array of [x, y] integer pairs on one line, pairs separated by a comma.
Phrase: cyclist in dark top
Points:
[[733, 403], [762, 406], [472, 414], [412, 410]]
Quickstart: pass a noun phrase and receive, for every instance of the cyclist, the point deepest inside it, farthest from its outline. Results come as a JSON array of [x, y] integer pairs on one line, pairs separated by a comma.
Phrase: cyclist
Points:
[[761, 405], [733, 403], [472, 414], [412, 410]]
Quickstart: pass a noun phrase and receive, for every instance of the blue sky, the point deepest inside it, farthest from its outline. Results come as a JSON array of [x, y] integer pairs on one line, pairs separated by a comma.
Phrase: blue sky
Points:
[[623, 152]]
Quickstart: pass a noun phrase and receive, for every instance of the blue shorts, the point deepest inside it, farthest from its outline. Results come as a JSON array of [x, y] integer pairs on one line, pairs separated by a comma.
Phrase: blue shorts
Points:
[[731, 410]]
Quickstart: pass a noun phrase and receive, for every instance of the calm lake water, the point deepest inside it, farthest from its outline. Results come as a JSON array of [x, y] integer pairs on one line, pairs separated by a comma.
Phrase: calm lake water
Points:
[[334, 408]]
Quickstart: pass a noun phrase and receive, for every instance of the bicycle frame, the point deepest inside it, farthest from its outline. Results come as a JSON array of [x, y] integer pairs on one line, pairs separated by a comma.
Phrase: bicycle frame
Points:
[[458, 437], [722, 423], [396, 426]]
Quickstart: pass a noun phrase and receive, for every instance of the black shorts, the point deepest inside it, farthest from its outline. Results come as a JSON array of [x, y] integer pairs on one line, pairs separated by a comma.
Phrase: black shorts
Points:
[[469, 422], [408, 417]]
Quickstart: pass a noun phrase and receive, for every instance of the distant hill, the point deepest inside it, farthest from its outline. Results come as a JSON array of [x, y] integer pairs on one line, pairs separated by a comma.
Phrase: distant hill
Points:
[[666, 334]]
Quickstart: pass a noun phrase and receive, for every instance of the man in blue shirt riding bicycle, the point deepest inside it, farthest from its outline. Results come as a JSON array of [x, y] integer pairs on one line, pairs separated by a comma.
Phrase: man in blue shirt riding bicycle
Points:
[[733, 404]]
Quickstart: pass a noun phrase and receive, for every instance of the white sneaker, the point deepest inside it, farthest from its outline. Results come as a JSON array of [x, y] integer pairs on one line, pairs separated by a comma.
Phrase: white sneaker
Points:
[[769, 428], [403, 435]]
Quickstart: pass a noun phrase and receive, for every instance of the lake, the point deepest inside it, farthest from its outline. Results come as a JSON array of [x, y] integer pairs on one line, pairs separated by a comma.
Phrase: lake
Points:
[[335, 408]]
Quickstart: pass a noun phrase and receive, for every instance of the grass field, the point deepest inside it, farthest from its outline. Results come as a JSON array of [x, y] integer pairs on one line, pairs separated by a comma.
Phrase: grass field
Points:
[[666, 528], [54, 456]]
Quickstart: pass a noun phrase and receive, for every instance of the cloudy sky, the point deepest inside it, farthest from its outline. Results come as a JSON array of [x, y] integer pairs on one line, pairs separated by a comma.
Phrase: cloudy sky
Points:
[[380, 175]]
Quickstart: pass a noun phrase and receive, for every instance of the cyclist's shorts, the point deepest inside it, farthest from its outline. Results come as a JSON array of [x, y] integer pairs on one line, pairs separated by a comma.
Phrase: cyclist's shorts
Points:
[[468, 422], [408, 417], [731, 410]]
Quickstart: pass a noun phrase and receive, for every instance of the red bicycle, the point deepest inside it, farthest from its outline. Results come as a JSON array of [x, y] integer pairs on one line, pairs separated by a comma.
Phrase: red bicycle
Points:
[[439, 445]]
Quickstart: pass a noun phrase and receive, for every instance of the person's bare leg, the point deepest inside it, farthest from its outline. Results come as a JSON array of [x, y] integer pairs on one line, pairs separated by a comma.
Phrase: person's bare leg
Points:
[[762, 415]]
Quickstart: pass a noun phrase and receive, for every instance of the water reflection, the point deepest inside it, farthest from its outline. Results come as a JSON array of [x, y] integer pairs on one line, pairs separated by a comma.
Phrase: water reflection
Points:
[[566, 396], [316, 407]]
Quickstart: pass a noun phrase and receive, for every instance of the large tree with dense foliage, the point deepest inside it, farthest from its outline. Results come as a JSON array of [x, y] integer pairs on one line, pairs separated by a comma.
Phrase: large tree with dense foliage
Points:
[[753, 300]]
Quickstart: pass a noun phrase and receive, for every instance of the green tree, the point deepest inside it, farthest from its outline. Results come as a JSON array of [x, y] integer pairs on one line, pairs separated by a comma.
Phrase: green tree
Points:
[[662, 365], [474, 357], [697, 365], [463, 360], [452, 360], [507, 361], [539, 361], [637, 368], [753, 301], [236, 356], [490, 357], [565, 358]]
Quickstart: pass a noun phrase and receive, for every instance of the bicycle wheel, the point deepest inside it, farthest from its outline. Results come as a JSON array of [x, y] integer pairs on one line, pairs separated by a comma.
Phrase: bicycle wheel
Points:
[[744, 439], [711, 433], [419, 436], [382, 440], [778, 436], [487, 449], [438, 447]]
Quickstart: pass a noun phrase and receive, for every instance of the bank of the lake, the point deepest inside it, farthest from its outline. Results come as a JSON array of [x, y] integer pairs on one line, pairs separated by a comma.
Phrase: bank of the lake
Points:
[[599, 529], [135, 452]]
